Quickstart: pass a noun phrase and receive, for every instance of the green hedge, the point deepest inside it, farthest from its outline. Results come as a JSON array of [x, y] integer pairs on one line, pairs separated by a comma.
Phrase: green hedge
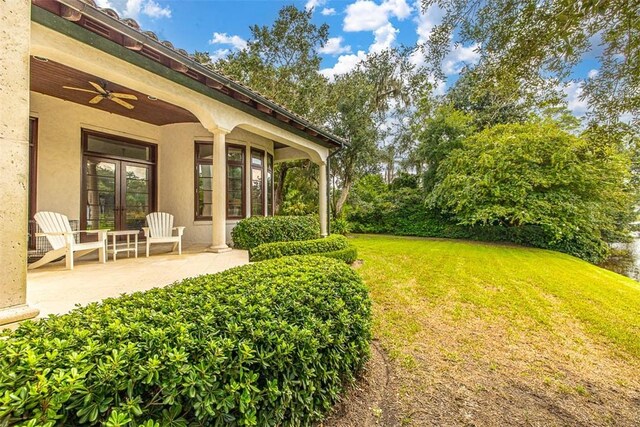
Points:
[[335, 242], [264, 344], [348, 255], [257, 230]]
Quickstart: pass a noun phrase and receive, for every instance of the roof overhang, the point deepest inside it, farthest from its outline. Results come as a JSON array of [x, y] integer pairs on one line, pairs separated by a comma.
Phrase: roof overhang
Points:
[[103, 30]]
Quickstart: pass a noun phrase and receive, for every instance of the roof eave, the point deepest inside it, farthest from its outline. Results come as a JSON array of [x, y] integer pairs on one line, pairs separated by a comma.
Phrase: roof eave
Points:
[[138, 36]]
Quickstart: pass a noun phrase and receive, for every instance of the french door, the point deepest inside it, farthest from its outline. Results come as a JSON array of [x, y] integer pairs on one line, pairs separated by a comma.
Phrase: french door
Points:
[[118, 193]]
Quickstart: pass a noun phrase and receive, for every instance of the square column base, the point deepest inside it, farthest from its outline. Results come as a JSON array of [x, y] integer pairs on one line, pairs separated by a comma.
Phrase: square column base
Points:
[[17, 313], [219, 249]]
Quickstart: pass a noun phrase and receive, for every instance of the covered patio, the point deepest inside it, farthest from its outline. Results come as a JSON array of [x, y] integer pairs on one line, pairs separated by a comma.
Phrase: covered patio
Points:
[[105, 124], [55, 290]]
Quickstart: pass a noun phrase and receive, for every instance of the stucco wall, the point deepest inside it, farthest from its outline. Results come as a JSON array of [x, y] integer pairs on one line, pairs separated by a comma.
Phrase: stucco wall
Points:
[[60, 159]]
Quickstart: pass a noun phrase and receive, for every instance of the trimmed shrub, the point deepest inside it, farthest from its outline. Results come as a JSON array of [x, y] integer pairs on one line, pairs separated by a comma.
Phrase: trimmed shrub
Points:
[[340, 226], [348, 255], [256, 230], [264, 344], [335, 242]]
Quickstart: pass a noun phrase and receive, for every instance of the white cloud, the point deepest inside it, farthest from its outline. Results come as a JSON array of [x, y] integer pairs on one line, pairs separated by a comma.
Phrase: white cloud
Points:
[[592, 73], [154, 10], [366, 15], [345, 64], [426, 20], [223, 38], [573, 93], [218, 54], [384, 38], [104, 3], [133, 8], [328, 11], [334, 46], [398, 8], [312, 4], [458, 57]]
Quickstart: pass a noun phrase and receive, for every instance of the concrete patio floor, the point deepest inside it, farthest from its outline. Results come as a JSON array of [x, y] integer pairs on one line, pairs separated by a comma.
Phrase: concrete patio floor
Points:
[[55, 290]]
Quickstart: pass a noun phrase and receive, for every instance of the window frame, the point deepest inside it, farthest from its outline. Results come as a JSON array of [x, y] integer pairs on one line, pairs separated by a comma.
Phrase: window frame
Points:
[[264, 179], [197, 162], [241, 163], [153, 162], [272, 186]]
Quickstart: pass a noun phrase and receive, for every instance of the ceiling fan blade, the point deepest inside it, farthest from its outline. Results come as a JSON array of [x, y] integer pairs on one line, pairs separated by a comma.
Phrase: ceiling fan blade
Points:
[[123, 103], [79, 89], [96, 99], [124, 96], [99, 88]]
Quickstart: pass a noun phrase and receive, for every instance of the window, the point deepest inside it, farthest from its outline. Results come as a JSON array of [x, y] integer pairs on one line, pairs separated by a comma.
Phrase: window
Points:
[[257, 182], [203, 184], [118, 182], [235, 181], [269, 184]]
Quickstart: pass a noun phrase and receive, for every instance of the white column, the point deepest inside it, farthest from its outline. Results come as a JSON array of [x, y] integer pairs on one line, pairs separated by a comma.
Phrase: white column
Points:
[[323, 199], [219, 193], [15, 33]]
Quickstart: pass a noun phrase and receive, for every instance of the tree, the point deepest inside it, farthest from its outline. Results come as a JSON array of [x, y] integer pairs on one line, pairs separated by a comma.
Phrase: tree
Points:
[[488, 107], [282, 62], [363, 100], [536, 174], [535, 43], [439, 133]]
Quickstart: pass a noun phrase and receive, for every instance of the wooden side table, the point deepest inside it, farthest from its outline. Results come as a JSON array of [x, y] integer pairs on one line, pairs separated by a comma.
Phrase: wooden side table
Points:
[[128, 248]]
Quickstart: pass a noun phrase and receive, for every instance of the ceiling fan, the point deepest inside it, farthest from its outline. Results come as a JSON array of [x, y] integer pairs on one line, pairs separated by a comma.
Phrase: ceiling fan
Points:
[[103, 93]]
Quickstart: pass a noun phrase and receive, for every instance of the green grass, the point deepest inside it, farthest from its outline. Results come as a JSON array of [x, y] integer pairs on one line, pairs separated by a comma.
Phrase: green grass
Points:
[[526, 289]]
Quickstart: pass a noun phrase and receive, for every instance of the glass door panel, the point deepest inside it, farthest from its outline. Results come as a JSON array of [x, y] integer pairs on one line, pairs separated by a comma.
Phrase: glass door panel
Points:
[[101, 191], [136, 195]]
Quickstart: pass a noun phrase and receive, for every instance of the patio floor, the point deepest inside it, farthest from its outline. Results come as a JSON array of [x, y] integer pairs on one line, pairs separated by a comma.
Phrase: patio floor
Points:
[[55, 290]]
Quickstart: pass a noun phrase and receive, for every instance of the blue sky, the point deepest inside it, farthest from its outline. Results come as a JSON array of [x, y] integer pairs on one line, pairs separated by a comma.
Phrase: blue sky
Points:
[[357, 27]]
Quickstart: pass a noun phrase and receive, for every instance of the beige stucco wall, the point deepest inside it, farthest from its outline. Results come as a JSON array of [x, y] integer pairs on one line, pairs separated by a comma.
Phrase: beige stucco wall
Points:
[[60, 159]]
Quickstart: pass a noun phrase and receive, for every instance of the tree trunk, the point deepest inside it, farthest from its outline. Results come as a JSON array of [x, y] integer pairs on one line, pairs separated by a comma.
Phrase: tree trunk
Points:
[[344, 194]]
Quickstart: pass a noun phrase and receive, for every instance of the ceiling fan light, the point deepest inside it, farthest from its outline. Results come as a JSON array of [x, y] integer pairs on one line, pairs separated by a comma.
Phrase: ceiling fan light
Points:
[[41, 58], [152, 98]]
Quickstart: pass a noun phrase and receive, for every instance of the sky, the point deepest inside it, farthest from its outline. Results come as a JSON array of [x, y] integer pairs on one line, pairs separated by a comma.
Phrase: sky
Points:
[[357, 27]]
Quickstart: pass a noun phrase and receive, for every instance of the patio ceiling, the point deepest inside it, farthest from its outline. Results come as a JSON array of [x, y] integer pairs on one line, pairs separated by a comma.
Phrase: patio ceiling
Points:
[[49, 78]]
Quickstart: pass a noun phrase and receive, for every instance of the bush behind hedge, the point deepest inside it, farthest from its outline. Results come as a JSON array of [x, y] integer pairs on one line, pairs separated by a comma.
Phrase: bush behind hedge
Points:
[[403, 213], [335, 242], [256, 230], [348, 255], [263, 344]]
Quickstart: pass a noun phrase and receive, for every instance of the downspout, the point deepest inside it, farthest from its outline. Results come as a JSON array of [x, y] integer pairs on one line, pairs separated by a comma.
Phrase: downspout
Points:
[[328, 166]]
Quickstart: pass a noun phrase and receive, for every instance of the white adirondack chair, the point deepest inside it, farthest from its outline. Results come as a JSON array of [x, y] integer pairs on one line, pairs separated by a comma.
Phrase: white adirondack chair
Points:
[[56, 228], [160, 230]]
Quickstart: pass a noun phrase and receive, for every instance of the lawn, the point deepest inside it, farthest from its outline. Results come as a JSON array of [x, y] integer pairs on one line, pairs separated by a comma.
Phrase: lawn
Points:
[[488, 334]]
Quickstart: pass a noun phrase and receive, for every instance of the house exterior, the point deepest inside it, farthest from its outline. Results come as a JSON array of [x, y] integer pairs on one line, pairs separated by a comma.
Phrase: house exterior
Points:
[[104, 123]]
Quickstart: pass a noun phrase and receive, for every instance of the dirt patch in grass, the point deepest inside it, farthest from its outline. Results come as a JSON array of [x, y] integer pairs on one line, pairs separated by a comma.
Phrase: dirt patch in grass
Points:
[[475, 373], [479, 335], [372, 400]]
